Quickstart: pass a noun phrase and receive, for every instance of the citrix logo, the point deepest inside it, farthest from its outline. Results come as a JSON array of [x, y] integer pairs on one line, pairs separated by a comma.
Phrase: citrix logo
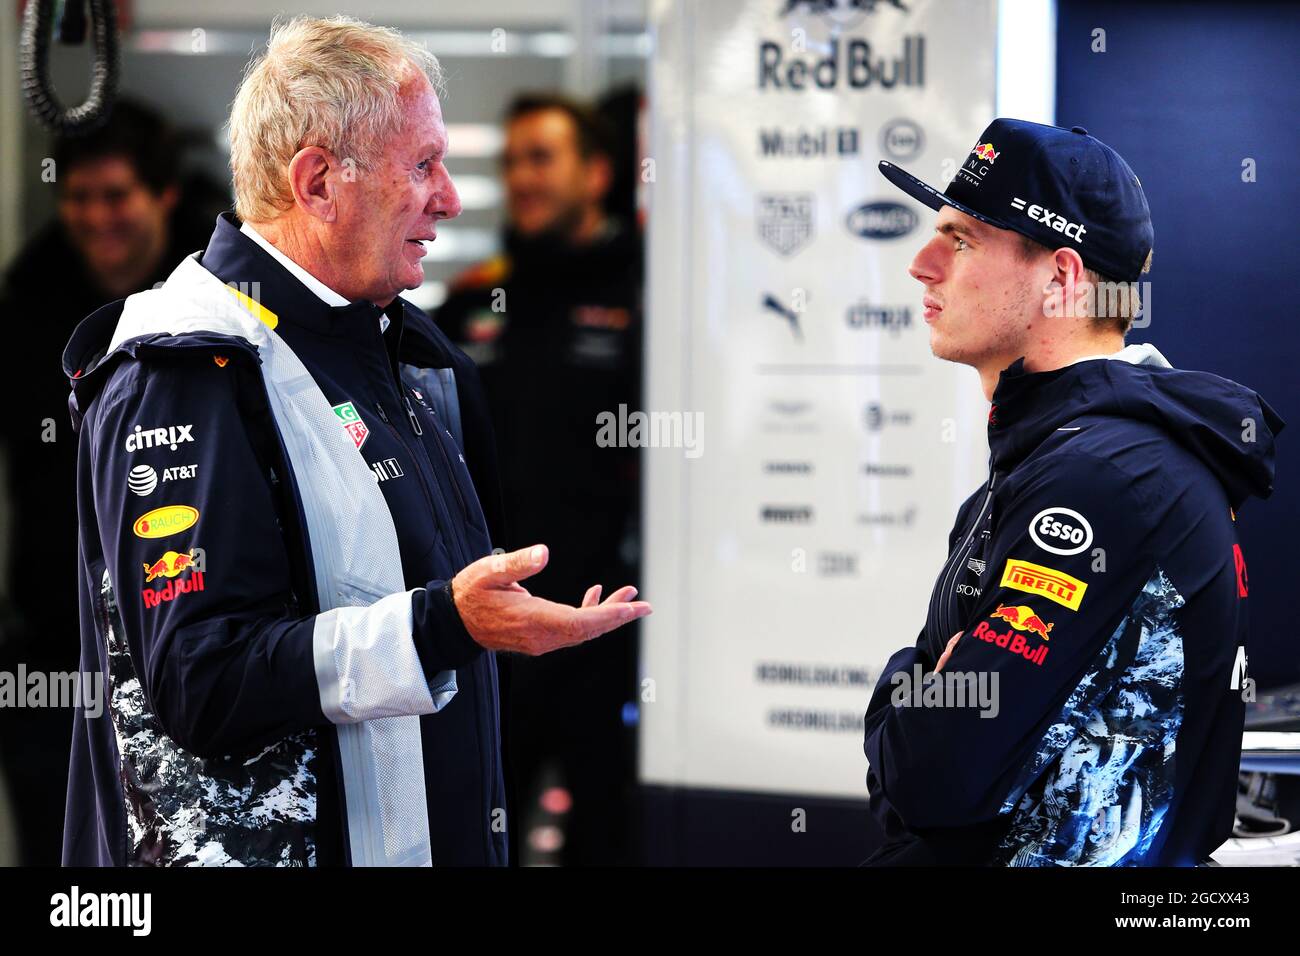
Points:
[[1051, 219], [171, 436]]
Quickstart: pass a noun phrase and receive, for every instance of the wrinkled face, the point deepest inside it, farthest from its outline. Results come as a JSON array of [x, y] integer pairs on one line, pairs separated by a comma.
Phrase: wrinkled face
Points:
[[387, 213], [111, 217], [982, 299], [548, 183]]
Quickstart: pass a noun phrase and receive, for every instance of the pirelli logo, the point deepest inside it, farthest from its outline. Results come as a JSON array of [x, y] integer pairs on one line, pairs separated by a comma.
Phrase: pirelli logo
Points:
[[1051, 584]]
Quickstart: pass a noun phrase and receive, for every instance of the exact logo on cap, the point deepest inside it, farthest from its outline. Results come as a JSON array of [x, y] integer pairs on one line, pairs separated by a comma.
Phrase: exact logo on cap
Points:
[[1058, 183], [1051, 219]]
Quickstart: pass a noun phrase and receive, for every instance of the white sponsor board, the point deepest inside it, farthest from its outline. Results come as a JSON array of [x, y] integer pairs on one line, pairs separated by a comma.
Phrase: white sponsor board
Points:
[[790, 557]]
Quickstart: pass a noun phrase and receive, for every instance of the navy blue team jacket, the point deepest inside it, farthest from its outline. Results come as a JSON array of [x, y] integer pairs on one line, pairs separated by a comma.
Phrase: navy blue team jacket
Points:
[[1098, 576], [213, 702]]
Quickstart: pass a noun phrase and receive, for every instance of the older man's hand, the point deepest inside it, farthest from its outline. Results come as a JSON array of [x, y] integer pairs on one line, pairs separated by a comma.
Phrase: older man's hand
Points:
[[502, 616]]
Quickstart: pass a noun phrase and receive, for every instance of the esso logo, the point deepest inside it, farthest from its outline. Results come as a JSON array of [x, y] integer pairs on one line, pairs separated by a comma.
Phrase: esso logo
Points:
[[1061, 531]]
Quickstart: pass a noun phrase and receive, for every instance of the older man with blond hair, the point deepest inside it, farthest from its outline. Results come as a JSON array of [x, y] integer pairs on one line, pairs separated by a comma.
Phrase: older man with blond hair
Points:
[[286, 577]]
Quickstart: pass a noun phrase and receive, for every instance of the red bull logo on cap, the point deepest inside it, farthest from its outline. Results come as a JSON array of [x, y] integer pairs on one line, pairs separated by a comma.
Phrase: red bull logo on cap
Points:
[[986, 152], [1023, 618]]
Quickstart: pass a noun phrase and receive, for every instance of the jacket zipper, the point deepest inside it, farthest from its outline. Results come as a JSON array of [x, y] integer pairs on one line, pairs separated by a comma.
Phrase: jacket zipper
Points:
[[462, 545], [451, 469], [946, 602], [410, 413], [486, 676], [443, 516], [428, 494]]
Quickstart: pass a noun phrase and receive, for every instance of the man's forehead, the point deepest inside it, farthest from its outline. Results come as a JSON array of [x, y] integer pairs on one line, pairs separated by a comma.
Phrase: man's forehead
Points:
[[110, 168], [424, 116], [548, 121], [952, 220]]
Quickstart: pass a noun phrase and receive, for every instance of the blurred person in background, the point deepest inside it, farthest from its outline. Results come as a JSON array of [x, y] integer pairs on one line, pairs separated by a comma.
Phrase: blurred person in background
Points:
[[124, 221], [554, 324]]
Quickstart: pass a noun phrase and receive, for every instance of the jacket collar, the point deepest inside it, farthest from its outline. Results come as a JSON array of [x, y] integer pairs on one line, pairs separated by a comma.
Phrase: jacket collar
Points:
[[323, 292], [1202, 412], [237, 259], [1027, 406]]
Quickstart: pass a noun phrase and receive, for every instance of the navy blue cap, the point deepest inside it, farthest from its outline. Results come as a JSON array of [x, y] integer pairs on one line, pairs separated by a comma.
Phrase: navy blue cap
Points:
[[1059, 187]]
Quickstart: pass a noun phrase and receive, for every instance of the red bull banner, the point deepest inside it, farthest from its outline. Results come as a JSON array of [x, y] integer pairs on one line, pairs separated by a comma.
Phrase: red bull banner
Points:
[[793, 551]]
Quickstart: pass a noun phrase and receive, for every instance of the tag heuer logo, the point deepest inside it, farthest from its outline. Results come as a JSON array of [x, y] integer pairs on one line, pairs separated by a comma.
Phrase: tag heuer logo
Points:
[[785, 221], [352, 423]]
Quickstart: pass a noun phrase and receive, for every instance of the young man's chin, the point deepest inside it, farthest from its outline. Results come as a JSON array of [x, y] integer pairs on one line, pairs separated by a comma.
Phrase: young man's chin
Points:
[[941, 347], [948, 351]]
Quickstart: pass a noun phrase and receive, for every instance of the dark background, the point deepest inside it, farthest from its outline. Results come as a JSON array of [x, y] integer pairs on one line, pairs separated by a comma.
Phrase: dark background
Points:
[[1185, 92]]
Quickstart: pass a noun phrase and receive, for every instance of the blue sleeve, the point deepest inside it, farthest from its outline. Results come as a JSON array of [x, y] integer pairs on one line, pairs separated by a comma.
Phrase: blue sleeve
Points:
[[1067, 559]]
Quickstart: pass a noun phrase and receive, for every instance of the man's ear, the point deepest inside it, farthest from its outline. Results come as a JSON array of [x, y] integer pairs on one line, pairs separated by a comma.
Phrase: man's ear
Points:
[[312, 179], [1068, 271], [169, 197], [600, 176]]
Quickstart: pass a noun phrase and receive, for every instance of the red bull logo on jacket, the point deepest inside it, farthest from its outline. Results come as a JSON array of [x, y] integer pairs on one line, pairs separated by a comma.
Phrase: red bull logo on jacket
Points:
[[172, 590], [169, 565], [1023, 618], [1009, 640]]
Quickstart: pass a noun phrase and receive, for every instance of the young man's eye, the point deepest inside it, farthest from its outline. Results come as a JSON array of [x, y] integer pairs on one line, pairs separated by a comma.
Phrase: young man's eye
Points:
[[961, 243]]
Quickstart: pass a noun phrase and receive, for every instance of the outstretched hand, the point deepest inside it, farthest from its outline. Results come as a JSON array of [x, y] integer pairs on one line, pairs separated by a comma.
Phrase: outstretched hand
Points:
[[500, 614]]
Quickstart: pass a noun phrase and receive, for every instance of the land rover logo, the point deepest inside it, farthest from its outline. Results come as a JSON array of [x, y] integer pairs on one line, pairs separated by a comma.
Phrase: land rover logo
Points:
[[881, 220]]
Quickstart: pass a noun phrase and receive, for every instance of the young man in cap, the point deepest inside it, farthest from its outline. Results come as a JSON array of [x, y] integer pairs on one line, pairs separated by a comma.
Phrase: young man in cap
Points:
[[1097, 576]]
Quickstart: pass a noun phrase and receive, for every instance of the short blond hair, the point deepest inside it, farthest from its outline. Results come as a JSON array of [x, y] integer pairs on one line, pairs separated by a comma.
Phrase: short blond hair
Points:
[[332, 83], [1116, 304]]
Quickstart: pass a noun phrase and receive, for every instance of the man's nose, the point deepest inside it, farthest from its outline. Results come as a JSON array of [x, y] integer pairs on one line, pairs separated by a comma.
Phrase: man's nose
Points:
[[445, 201], [925, 265], [97, 214]]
